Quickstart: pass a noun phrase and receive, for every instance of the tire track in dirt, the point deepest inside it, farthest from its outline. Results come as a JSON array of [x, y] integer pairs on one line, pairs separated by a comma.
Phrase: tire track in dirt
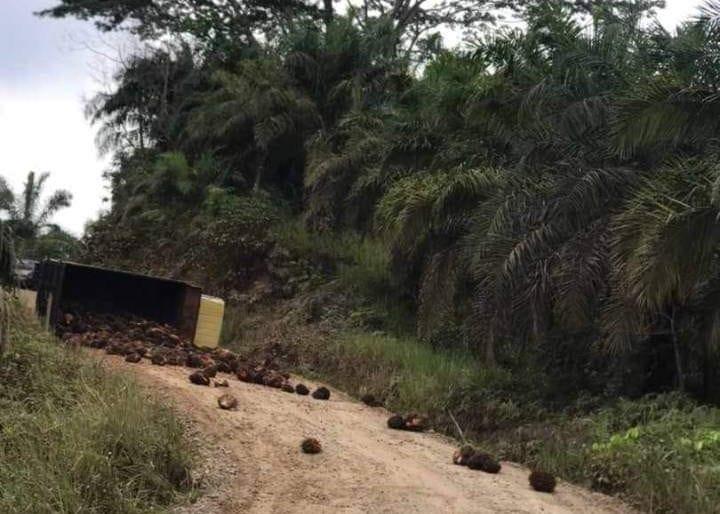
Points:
[[257, 467]]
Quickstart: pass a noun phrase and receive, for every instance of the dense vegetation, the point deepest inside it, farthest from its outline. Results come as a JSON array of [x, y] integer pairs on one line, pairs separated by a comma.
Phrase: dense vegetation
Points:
[[76, 438], [543, 199]]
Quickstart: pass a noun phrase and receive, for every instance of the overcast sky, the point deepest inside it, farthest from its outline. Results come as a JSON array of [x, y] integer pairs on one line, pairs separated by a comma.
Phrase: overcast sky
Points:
[[46, 73]]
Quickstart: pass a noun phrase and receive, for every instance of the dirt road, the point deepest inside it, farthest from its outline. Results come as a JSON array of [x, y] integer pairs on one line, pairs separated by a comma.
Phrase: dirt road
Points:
[[255, 466]]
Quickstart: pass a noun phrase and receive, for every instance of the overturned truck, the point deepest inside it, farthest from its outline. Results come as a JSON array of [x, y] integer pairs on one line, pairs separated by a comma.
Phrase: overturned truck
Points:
[[66, 286]]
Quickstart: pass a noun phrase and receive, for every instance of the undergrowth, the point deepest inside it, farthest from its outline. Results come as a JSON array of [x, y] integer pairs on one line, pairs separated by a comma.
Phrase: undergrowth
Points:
[[358, 265], [75, 438]]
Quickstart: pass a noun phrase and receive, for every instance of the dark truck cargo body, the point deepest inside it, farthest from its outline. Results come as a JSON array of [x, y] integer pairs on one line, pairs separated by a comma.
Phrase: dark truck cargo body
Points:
[[62, 285]]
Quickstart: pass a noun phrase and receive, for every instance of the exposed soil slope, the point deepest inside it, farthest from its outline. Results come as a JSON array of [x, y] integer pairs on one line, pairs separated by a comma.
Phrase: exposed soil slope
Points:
[[256, 466]]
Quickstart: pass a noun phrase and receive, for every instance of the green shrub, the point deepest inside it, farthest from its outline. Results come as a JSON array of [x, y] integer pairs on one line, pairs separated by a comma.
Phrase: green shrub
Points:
[[665, 449], [75, 438]]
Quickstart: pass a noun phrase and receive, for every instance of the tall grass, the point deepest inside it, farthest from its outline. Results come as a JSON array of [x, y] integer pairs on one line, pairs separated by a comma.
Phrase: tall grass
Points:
[[410, 375], [74, 438]]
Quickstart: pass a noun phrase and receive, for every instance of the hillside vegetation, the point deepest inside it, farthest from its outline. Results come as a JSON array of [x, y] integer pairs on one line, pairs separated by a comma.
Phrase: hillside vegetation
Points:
[[521, 232]]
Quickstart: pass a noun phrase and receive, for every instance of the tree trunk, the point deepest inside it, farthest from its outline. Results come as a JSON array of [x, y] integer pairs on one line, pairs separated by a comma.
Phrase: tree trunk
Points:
[[4, 322], [258, 175], [328, 12], [678, 358], [490, 350]]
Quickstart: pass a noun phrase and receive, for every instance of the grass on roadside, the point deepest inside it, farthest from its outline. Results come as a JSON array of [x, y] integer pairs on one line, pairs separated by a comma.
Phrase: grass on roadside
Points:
[[76, 438]]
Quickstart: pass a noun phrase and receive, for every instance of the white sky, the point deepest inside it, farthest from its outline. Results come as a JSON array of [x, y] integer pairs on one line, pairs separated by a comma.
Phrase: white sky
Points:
[[45, 74]]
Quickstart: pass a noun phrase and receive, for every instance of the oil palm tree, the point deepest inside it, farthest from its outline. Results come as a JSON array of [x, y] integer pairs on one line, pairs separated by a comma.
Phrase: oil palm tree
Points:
[[253, 115], [27, 215]]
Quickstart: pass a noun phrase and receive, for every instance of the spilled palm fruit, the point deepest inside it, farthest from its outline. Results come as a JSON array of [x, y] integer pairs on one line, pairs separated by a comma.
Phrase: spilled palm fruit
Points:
[[227, 402], [396, 422], [158, 359], [176, 358], [311, 446], [542, 481], [98, 343], [199, 378], [483, 462], [243, 375], [492, 466], [194, 360], [415, 423], [113, 349], [221, 383], [135, 347], [210, 371], [273, 379], [288, 388], [223, 355], [463, 455], [321, 393], [133, 357], [302, 390], [257, 377]]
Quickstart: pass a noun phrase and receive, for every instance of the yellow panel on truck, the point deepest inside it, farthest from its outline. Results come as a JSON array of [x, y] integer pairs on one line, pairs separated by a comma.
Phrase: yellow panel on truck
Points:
[[209, 324]]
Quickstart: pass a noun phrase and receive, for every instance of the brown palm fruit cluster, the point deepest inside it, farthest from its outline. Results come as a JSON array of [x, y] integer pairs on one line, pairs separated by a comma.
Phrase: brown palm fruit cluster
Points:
[[542, 481], [311, 445], [135, 339], [210, 371], [483, 462], [226, 361], [133, 357], [321, 393], [416, 423], [396, 422], [158, 359], [227, 402], [123, 334], [462, 455], [412, 422], [268, 376], [199, 378], [128, 336]]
